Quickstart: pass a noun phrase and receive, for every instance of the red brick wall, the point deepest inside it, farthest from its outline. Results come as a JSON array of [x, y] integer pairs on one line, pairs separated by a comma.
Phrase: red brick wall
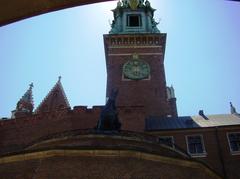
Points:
[[151, 94], [218, 155], [97, 168], [16, 133], [22, 131]]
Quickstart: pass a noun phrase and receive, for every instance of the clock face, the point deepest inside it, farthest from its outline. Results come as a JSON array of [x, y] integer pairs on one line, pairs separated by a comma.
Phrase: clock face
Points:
[[136, 69]]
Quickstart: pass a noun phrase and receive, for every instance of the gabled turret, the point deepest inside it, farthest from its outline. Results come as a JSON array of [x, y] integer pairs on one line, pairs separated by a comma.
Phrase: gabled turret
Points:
[[56, 99], [172, 101], [25, 104], [133, 16], [170, 92]]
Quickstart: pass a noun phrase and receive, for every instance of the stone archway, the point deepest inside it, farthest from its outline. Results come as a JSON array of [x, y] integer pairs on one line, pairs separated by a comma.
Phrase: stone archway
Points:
[[15, 10]]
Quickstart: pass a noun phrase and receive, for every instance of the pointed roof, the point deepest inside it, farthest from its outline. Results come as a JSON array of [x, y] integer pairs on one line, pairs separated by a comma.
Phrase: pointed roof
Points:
[[26, 102], [28, 96], [55, 99]]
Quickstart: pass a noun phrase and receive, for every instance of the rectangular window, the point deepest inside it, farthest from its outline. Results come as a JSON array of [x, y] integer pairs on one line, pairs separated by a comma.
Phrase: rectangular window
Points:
[[234, 142], [134, 20], [195, 145], [167, 140]]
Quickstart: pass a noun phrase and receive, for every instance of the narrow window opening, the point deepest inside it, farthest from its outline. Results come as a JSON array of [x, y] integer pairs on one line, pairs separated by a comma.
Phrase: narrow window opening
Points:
[[134, 21]]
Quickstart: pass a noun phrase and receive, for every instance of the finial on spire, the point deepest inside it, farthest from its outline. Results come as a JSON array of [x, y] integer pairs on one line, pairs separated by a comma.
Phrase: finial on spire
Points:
[[59, 79], [147, 3], [27, 97], [119, 4], [141, 3], [31, 86]]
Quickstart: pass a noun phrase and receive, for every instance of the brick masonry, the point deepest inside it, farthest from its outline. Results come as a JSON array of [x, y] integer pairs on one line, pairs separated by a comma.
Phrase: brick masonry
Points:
[[150, 93], [136, 101], [97, 167]]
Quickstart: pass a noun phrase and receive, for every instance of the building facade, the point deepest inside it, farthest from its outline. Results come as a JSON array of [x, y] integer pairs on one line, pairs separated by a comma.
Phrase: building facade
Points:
[[55, 141]]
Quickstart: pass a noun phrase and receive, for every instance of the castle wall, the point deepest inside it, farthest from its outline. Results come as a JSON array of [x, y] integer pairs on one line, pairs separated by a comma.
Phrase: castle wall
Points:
[[98, 167], [19, 132]]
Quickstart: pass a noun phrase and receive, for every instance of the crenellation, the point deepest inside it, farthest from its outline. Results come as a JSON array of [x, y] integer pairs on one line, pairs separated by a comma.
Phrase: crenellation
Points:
[[79, 109], [53, 115]]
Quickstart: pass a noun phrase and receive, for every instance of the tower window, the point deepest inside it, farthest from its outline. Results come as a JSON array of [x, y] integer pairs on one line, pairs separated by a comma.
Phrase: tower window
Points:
[[134, 20]]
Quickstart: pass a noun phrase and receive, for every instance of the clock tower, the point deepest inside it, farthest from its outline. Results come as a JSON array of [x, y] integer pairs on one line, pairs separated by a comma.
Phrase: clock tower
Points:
[[134, 50]]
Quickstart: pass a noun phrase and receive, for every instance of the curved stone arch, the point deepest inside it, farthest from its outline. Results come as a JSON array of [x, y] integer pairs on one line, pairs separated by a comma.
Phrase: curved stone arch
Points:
[[15, 10]]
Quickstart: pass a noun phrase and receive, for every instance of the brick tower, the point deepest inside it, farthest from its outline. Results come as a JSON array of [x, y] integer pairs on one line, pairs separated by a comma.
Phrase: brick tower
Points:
[[134, 50]]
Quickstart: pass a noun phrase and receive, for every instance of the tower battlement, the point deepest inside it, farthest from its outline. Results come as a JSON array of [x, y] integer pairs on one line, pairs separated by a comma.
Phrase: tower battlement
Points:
[[65, 113], [136, 39]]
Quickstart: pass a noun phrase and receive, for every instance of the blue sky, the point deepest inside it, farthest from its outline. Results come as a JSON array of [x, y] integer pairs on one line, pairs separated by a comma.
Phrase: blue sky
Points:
[[202, 57]]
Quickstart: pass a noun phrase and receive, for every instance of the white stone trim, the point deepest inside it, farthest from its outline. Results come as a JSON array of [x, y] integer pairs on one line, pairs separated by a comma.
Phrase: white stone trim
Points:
[[130, 54]]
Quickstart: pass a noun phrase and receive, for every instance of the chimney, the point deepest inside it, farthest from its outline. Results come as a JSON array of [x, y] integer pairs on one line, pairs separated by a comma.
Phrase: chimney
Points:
[[201, 113], [233, 109]]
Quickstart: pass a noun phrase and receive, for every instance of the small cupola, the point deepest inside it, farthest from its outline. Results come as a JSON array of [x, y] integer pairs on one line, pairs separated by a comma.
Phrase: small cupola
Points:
[[133, 16]]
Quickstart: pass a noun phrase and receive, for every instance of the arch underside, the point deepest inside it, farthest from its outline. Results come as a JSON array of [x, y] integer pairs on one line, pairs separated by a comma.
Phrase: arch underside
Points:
[[15, 10]]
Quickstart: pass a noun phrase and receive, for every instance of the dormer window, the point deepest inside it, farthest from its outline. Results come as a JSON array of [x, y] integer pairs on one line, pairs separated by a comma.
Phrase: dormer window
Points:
[[134, 20]]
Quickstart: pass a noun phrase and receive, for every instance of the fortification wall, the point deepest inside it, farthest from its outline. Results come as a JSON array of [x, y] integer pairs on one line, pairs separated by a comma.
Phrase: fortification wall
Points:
[[16, 133]]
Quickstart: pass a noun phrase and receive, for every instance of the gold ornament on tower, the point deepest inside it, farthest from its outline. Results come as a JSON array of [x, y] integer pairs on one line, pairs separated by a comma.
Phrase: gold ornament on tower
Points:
[[133, 4]]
